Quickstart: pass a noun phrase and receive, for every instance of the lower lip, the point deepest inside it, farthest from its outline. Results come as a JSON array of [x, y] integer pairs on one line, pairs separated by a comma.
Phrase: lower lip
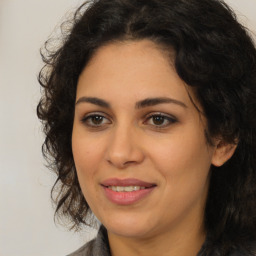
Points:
[[127, 198]]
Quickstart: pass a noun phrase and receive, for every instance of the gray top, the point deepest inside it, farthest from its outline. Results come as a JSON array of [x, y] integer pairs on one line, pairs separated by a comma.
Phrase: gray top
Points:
[[100, 247], [96, 247]]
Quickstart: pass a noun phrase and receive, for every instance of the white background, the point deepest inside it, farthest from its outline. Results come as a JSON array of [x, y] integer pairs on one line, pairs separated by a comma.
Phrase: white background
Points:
[[26, 213]]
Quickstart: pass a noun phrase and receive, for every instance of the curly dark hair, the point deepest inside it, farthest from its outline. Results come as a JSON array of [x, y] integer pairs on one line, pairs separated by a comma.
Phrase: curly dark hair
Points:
[[213, 53]]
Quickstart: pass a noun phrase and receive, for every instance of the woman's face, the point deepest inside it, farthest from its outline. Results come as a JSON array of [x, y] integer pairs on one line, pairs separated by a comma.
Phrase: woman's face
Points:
[[139, 144]]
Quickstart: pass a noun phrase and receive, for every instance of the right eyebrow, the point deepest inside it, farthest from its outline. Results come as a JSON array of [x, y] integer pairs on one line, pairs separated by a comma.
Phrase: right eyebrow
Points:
[[161, 100], [93, 100]]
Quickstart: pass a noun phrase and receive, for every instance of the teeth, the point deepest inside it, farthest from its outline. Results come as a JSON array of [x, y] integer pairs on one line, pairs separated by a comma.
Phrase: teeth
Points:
[[125, 189]]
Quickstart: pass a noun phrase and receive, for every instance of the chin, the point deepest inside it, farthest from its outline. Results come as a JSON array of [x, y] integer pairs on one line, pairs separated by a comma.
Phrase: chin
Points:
[[128, 231], [129, 227]]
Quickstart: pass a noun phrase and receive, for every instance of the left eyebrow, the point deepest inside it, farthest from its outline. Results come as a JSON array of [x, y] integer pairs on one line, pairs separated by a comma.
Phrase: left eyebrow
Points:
[[94, 100], [155, 101]]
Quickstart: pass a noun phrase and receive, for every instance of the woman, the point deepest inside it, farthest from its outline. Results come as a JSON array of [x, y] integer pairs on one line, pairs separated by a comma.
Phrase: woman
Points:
[[149, 114]]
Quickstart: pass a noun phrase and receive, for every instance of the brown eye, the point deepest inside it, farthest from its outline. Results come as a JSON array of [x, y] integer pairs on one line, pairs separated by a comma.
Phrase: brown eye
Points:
[[160, 120], [95, 120]]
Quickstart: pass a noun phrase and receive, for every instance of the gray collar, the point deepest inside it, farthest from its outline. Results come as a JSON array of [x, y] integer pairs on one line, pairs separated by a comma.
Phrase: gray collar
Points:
[[97, 247]]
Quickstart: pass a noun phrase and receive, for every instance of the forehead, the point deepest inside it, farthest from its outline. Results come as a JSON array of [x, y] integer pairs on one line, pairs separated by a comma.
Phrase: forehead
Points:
[[140, 69]]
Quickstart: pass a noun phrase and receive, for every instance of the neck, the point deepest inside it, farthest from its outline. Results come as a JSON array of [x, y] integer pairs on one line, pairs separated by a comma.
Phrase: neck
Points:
[[187, 242]]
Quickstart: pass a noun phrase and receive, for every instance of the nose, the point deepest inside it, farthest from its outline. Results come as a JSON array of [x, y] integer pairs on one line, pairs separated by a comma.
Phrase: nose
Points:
[[124, 148]]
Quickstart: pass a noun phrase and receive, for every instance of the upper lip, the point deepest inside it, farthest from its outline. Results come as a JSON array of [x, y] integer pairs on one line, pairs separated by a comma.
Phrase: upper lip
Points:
[[126, 183]]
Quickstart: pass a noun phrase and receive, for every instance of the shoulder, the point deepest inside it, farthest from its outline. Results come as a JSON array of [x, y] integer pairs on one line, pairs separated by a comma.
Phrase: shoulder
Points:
[[96, 247], [210, 248], [84, 250], [245, 249], [244, 252]]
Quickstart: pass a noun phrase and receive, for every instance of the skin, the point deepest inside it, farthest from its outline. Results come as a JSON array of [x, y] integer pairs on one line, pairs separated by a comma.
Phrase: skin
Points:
[[124, 141]]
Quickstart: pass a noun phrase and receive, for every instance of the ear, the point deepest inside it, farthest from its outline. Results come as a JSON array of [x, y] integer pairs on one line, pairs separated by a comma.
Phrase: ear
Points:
[[223, 152]]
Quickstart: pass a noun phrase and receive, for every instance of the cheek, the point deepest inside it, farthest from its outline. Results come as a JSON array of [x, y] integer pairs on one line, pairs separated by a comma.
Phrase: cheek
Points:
[[184, 168], [87, 150], [184, 161], [87, 155]]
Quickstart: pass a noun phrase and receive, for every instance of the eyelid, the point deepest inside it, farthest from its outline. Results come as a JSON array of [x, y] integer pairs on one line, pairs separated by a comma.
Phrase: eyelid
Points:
[[172, 119], [93, 114], [169, 120]]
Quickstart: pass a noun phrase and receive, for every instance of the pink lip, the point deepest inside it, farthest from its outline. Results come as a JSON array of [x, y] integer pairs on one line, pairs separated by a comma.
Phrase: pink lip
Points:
[[126, 182], [127, 198]]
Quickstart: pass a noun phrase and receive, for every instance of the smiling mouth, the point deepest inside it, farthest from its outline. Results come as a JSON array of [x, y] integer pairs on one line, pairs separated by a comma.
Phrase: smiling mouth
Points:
[[125, 189], [126, 184]]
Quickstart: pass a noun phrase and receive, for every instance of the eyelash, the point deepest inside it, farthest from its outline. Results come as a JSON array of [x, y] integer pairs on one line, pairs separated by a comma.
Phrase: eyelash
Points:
[[87, 120], [167, 120]]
